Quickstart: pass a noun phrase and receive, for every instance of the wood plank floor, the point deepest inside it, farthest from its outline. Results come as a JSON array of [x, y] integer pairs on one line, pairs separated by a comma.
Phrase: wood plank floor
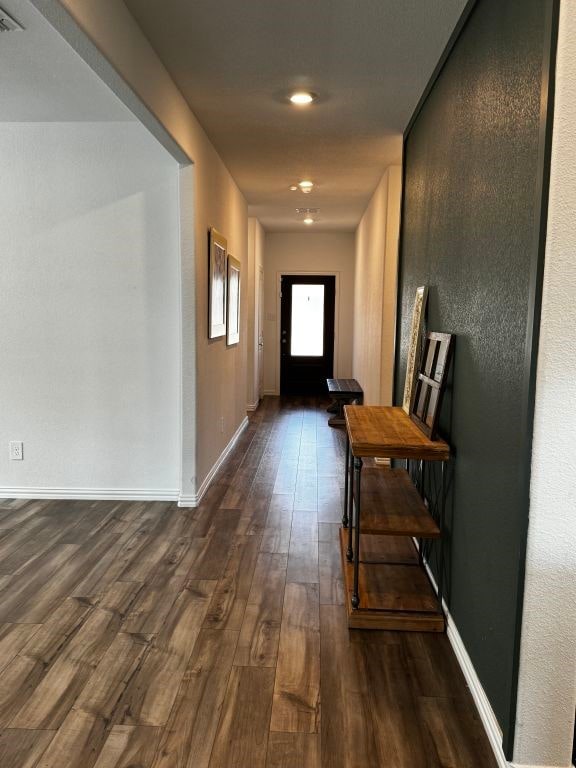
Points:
[[140, 635]]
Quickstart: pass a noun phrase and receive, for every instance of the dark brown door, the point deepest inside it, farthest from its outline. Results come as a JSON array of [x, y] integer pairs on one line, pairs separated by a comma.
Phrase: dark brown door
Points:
[[306, 333]]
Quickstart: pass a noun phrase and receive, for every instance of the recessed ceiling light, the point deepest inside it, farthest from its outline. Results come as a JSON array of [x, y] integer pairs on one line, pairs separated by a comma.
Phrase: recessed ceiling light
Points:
[[306, 186], [302, 98], [294, 187], [308, 220]]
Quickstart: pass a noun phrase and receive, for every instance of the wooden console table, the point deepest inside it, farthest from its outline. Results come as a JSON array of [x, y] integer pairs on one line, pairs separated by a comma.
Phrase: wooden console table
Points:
[[387, 586]]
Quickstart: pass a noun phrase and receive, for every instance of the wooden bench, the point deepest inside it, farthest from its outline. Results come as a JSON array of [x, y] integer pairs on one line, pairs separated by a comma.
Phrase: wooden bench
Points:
[[344, 392]]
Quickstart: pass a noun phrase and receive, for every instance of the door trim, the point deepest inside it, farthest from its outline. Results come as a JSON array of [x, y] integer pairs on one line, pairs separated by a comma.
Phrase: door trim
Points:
[[261, 324], [306, 273]]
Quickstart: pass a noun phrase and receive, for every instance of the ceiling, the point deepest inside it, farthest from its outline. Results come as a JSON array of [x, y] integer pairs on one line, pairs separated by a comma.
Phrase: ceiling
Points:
[[43, 80], [236, 60]]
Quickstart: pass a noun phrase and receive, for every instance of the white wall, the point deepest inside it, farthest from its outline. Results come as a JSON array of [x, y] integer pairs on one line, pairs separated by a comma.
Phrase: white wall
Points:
[[316, 253], [90, 309], [256, 241], [214, 376], [375, 290], [547, 682]]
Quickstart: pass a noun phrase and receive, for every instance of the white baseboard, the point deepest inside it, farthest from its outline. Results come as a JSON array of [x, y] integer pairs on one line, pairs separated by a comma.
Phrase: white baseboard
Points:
[[485, 710], [192, 500], [125, 494], [253, 406], [483, 706], [271, 392], [523, 765], [91, 494]]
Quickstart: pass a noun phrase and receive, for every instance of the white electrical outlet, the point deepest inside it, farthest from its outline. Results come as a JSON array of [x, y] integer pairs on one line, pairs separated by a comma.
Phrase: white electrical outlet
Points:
[[16, 450]]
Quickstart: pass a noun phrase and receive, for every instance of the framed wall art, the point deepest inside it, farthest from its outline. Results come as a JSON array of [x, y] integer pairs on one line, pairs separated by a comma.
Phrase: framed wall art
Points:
[[217, 285], [414, 345], [233, 319]]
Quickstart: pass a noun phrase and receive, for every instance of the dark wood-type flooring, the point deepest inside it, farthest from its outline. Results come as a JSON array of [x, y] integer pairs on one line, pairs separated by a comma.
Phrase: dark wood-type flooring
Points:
[[140, 635]]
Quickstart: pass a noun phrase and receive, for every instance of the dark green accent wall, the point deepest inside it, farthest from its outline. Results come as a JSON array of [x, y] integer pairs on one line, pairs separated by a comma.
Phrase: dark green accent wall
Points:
[[471, 216]]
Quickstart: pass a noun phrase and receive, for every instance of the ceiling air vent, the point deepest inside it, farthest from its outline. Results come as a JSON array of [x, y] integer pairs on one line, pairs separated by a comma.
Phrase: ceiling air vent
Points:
[[7, 23], [307, 210]]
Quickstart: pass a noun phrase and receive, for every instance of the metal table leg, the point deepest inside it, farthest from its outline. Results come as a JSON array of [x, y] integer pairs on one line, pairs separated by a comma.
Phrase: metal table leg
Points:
[[346, 470], [350, 503], [357, 481], [422, 491]]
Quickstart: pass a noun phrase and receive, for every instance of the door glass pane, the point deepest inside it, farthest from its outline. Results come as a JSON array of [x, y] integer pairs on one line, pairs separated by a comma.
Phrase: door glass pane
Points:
[[307, 321]]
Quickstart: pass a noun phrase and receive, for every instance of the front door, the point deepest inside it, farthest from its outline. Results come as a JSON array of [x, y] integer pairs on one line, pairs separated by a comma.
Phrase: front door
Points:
[[306, 333]]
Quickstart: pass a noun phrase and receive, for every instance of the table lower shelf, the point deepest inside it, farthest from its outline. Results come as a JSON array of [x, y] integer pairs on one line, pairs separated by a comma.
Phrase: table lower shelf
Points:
[[396, 597]]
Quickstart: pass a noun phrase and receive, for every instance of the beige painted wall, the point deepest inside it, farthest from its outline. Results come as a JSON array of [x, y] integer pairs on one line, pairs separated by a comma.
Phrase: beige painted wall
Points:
[[547, 676], [375, 290], [220, 370], [214, 376], [256, 241], [317, 253]]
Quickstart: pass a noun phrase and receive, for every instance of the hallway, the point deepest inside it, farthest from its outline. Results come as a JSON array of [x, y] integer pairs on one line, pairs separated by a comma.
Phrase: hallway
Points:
[[141, 634], [208, 209]]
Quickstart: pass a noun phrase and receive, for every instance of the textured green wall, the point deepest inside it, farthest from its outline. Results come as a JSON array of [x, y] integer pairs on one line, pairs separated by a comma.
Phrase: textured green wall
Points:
[[470, 223]]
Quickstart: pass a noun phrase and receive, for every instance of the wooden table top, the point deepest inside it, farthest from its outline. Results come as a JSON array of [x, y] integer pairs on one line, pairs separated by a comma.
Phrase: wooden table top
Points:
[[389, 433]]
